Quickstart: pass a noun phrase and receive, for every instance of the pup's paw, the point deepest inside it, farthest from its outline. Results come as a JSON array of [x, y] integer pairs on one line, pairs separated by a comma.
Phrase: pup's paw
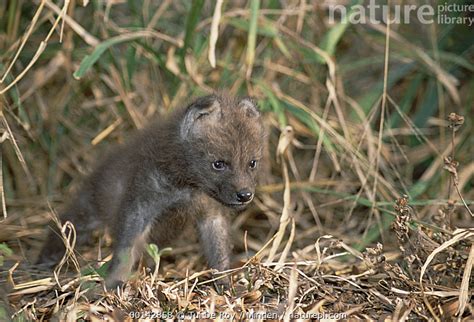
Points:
[[222, 284], [111, 285]]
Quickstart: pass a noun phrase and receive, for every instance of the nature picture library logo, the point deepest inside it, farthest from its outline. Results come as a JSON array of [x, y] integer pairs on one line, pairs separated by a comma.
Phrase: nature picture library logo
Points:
[[375, 12]]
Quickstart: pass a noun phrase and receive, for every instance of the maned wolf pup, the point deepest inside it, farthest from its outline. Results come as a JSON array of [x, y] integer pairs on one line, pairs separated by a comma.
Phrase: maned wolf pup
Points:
[[192, 167]]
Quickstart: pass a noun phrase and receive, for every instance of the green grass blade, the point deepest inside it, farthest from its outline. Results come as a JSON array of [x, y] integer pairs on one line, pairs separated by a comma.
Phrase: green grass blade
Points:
[[275, 104], [334, 35], [266, 29], [191, 22], [408, 100], [252, 36], [429, 105], [91, 59]]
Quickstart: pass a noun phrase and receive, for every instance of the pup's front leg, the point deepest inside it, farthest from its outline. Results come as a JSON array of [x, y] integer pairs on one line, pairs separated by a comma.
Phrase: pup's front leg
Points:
[[215, 240], [131, 233], [128, 248]]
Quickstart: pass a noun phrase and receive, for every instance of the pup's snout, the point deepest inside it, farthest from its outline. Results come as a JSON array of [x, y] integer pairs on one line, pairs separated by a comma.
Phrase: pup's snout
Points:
[[244, 196]]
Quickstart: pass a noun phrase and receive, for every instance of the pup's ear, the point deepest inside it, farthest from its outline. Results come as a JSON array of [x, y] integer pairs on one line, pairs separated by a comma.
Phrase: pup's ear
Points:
[[204, 112], [250, 106]]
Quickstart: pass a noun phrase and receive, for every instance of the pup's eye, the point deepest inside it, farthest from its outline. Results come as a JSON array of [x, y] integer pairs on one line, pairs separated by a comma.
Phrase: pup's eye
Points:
[[218, 165], [253, 164]]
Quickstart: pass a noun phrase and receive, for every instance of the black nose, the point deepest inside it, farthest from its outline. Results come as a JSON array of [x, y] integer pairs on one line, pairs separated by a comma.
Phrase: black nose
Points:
[[244, 196]]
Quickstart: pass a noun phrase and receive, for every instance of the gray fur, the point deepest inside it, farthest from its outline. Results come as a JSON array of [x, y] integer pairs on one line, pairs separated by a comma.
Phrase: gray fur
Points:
[[163, 180]]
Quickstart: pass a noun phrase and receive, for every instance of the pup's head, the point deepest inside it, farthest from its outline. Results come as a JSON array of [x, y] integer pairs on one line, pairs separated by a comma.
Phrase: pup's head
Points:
[[224, 139]]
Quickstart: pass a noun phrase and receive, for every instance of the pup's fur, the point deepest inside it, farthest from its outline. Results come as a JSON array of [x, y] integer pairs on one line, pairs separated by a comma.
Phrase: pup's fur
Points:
[[167, 177]]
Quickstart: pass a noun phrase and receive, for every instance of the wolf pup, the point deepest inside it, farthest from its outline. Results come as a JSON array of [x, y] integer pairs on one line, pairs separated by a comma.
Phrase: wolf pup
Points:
[[193, 167]]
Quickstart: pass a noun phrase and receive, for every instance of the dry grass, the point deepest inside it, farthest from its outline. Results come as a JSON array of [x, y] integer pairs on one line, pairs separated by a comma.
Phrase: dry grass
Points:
[[365, 209]]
